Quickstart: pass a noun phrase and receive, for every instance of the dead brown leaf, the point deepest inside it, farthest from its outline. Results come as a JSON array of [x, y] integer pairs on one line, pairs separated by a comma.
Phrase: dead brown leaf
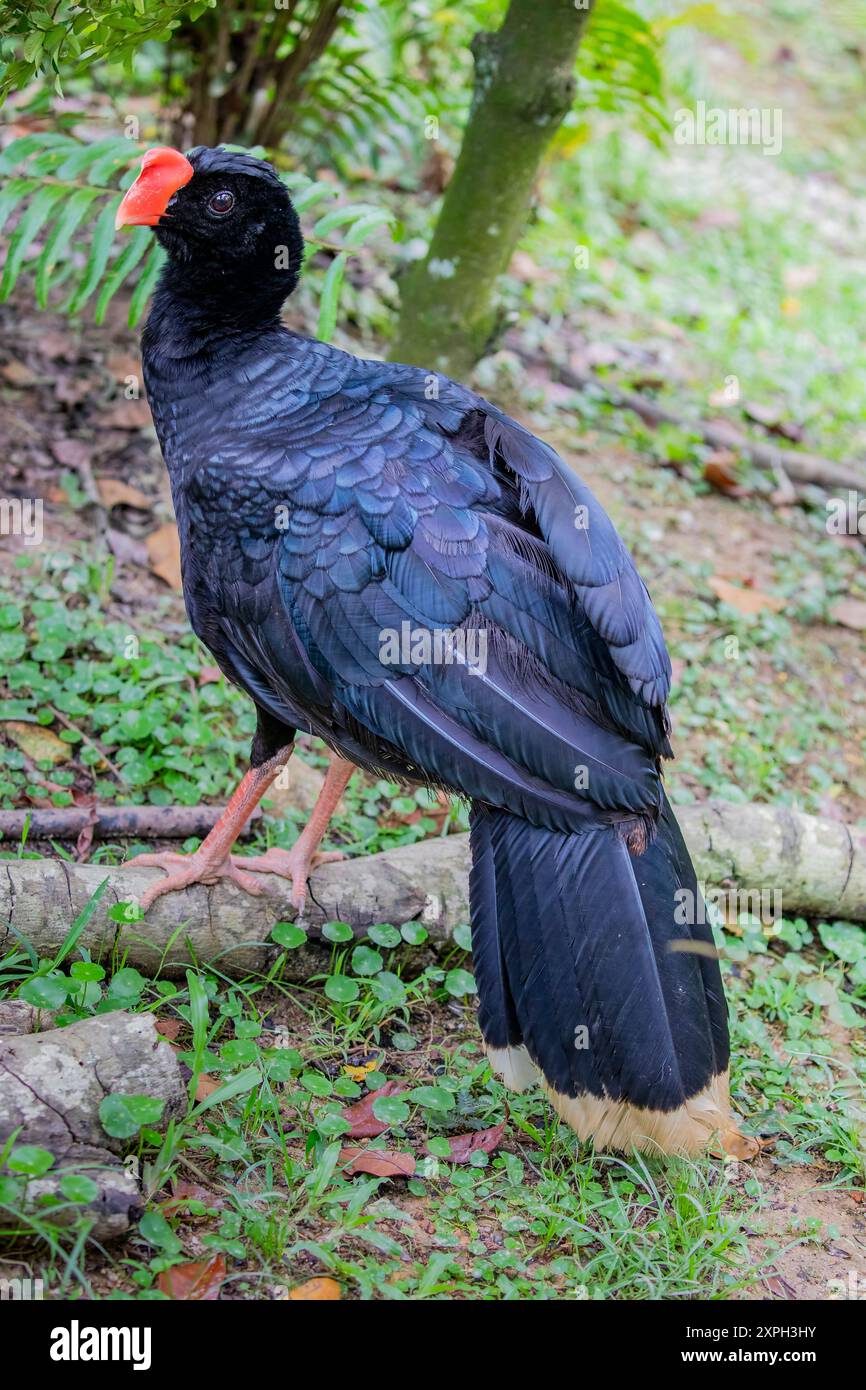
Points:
[[169, 1028], [115, 493], [779, 1287], [850, 612], [36, 741], [316, 1290], [382, 1163], [720, 473], [184, 1192], [744, 600], [123, 364], [127, 415], [16, 374], [463, 1146], [72, 453], [208, 674], [163, 553], [200, 1281], [362, 1122], [205, 1086]]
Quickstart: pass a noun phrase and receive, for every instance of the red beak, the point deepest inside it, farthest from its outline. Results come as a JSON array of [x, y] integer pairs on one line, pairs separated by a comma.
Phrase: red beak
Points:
[[163, 172]]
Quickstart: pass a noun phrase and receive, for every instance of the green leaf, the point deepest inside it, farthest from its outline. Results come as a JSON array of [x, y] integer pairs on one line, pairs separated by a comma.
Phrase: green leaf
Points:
[[844, 940], [128, 259], [156, 1231], [100, 250], [316, 1083], [14, 193], [460, 982], [59, 238], [45, 991], [337, 931], [341, 989], [340, 216], [240, 1052], [366, 961], [288, 935], [127, 985], [413, 933], [432, 1098], [122, 1116], [26, 145], [237, 1086], [389, 989], [30, 1160], [358, 233], [32, 220], [313, 194], [384, 935], [390, 1110], [77, 1187], [330, 297]]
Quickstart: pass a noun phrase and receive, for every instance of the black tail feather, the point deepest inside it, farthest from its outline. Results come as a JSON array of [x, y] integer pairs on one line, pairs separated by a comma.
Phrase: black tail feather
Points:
[[591, 959]]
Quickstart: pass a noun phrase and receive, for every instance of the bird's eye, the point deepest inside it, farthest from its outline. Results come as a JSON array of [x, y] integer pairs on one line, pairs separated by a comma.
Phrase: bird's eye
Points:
[[222, 202]]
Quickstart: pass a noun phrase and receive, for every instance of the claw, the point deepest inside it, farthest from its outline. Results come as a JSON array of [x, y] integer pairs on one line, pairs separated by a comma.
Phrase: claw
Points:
[[293, 864], [196, 868]]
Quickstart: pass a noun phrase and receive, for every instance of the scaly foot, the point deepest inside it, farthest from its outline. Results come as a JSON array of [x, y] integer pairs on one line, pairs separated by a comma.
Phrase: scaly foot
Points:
[[296, 864], [200, 867]]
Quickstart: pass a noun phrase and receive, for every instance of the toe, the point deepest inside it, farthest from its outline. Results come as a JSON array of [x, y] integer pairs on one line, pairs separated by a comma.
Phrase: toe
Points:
[[244, 880]]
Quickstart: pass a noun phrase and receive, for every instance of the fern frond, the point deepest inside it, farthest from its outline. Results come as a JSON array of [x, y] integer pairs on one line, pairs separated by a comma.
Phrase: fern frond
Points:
[[619, 66], [66, 193]]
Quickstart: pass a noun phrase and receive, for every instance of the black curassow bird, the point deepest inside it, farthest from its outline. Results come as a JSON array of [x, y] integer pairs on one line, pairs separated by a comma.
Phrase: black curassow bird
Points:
[[330, 510]]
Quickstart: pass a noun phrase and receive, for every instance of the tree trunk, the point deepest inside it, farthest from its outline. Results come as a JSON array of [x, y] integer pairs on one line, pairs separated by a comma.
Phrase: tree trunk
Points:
[[524, 86], [799, 865], [231, 66]]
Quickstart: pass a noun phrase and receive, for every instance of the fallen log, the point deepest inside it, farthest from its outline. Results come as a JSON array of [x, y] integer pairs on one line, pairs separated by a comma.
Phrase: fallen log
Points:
[[801, 864], [112, 822], [116, 822], [51, 1087], [792, 463]]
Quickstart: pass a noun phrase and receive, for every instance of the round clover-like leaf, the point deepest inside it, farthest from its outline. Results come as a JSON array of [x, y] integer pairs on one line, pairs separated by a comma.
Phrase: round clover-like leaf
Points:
[[341, 990], [284, 1066], [30, 1160], [384, 935], [122, 1116], [462, 936], [337, 932], [45, 991], [288, 935], [78, 1187], [460, 982], [432, 1098], [389, 989], [366, 961], [413, 933], [316, 1083], [391, 1110], [241, 1052], [87, 970]]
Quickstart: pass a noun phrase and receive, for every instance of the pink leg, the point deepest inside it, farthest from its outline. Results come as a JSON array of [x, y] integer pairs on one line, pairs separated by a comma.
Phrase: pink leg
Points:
[[212, 859], [298, 862]]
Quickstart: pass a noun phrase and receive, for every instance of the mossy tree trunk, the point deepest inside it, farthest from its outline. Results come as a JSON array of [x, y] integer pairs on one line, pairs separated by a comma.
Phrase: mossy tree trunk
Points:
[[524, 86]]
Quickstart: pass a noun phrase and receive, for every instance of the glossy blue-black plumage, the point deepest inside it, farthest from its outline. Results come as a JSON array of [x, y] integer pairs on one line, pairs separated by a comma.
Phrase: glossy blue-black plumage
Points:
[[324, 502]]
